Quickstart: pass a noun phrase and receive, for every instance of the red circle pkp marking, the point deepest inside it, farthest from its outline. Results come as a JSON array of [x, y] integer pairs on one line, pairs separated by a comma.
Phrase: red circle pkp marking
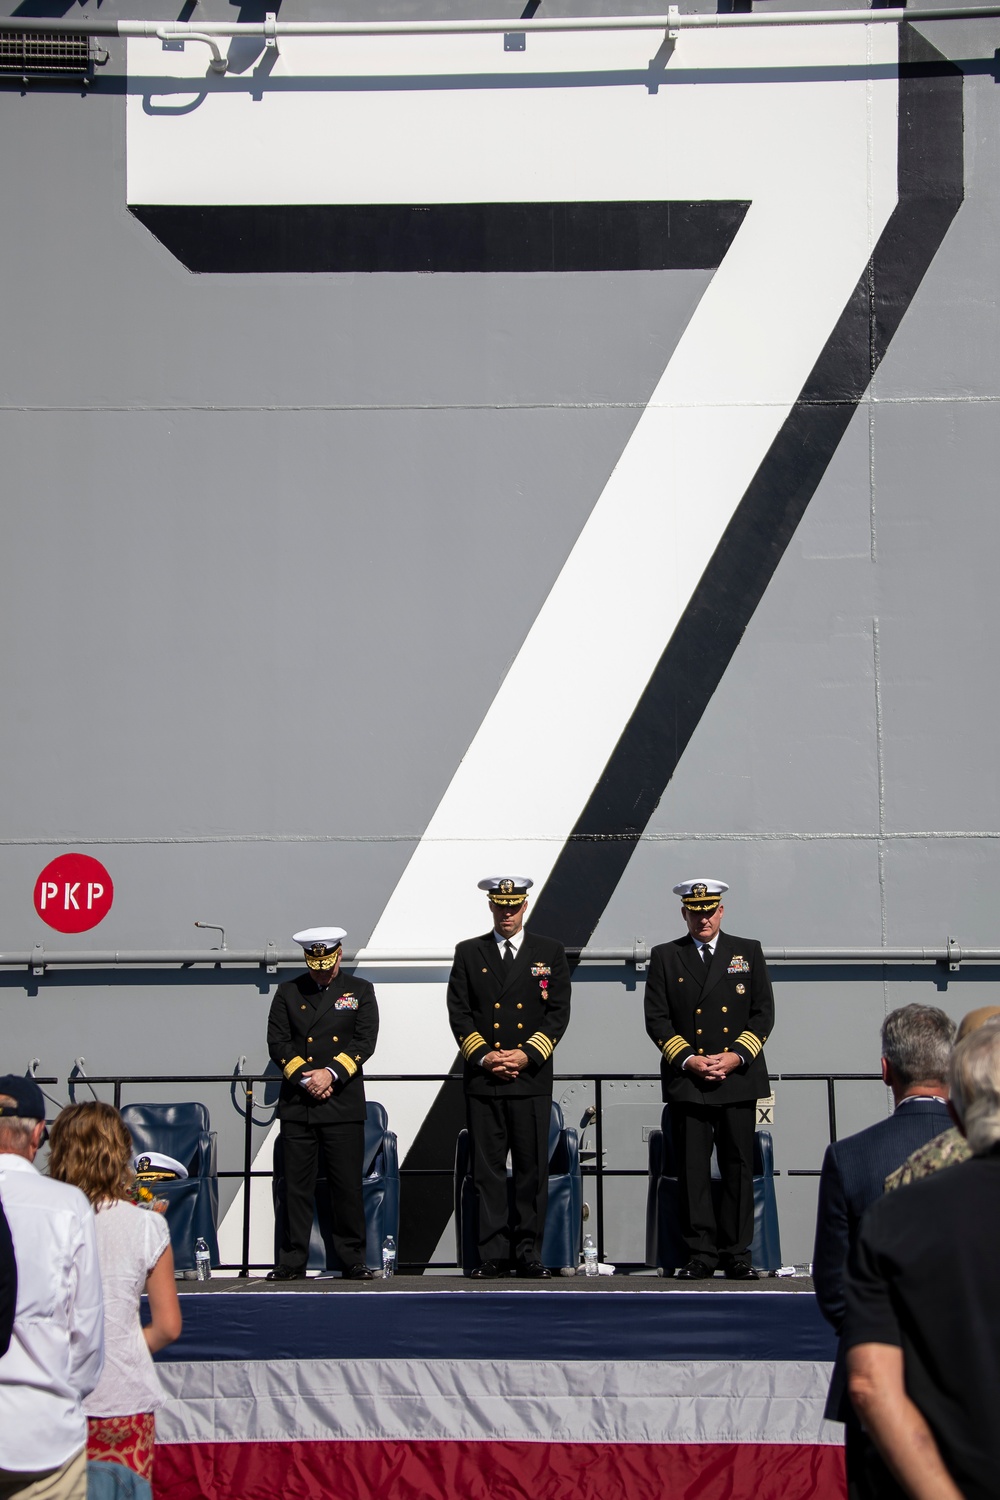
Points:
[[73, 893]]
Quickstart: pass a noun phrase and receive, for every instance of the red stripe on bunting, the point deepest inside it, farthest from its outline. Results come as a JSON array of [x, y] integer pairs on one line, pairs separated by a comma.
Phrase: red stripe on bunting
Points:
[[498, 1471]]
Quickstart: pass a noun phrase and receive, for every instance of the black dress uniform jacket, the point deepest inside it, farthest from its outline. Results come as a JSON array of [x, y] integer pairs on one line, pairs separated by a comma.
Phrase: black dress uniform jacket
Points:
[[527, 1008], [336, 1028], [727, 1008]]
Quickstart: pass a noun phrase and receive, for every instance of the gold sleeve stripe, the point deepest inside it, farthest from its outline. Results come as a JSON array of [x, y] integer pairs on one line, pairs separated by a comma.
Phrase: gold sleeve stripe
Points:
[[753, 1044], [293, 1066], [348, 1064], [542, 1044], [674, 1047], [472, 1044]]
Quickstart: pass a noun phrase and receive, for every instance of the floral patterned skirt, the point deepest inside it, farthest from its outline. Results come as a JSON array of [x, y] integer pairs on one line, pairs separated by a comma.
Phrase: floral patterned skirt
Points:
[[123, 1440]]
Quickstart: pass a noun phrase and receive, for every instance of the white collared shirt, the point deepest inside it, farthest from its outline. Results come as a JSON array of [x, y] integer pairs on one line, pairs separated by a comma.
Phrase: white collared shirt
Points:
[[57, 1347], [515, 940], [702, 947]]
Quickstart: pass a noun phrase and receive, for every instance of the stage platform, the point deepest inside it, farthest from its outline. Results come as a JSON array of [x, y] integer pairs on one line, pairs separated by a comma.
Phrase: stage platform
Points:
[[431, 1284], [439, 1388]]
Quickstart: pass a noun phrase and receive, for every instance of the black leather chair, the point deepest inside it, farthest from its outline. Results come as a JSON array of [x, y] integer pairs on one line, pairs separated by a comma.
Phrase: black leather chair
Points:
[[182, 1131], [664, 1246], [379, 1186], [563, 1215]]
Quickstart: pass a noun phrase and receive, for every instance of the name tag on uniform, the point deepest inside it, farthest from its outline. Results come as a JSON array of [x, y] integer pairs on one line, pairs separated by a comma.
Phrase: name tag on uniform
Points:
[[537, 969], [346, 1002], [738, 965]]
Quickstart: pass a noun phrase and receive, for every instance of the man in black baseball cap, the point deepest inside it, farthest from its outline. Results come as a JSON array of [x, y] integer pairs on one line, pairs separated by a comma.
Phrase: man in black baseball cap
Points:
[[57, 1346]]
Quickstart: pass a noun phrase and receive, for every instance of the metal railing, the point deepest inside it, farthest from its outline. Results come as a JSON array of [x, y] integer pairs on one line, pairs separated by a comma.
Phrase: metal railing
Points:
[[269, 957], [595, 1170]]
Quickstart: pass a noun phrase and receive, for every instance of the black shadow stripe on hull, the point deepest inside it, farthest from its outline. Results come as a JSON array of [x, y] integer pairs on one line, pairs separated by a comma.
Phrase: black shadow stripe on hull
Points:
[[930, 181], [445, 237]]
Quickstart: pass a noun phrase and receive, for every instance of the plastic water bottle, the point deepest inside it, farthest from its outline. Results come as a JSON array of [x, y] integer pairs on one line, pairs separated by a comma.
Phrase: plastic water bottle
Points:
[[388, 1257], [202, 1260], [590, 1257]]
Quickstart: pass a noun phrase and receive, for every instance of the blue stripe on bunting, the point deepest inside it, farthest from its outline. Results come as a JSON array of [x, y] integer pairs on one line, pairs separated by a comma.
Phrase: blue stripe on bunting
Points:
[[503, 1325]]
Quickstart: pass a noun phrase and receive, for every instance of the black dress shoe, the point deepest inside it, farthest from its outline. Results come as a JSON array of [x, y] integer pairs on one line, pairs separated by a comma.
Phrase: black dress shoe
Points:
[[286, 1273], [359, 1273], [488, 1270], [695, 1270], [533, 1270], [741, 1270]]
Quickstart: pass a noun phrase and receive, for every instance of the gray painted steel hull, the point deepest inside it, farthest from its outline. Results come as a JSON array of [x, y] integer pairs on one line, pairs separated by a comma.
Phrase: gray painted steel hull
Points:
[[274, 541]]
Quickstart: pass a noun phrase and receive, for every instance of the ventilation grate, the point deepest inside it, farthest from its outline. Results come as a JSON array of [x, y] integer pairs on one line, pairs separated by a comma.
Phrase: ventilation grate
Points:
[[44, 52]]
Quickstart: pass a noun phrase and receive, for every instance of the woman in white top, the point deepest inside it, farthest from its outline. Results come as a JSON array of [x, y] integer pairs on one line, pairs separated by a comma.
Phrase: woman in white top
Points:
[[90, 1147]]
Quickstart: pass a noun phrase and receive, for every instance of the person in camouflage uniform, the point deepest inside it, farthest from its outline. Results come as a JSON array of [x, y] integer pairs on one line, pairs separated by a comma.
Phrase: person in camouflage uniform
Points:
[[951, 1147]]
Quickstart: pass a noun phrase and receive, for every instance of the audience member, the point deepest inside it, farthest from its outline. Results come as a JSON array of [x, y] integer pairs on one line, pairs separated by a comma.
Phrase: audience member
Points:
[[922, 1325], [950, 1147], [57, 1347], [91, 1148], [916, 1046], [8, 1283]]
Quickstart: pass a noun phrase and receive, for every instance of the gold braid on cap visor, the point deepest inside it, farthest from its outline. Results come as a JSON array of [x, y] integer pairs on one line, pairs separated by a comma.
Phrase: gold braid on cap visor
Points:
[[322, 958], [496, 900]]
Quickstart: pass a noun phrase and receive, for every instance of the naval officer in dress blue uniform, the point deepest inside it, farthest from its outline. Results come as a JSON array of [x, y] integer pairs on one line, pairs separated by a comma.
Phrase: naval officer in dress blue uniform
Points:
[[508, 1004], [321, 1030], [709, 1009]]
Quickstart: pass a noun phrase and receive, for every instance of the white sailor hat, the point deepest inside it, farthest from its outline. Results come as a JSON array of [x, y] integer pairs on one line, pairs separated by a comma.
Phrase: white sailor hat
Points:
[[321, 945], [156, 1166], [701, 895], [506, 890]]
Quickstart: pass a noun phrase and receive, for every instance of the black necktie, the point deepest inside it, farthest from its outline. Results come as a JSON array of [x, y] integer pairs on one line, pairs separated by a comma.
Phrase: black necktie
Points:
[[508, 955], [706, 954]]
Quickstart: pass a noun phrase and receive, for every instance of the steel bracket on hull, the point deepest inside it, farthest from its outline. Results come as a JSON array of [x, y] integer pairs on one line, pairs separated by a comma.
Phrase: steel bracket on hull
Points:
[[640, 955], [953, 962]]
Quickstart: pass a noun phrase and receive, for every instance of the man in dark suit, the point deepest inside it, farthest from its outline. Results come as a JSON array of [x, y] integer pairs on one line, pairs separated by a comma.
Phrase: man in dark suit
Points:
[[916, 1047], [508, 1004], [709, 1009], [8, 1283], [922, 1320], [321, 1029]]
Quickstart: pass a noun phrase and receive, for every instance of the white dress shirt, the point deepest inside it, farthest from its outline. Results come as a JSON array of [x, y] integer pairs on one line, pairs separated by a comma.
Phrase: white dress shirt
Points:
[[57, 1348], [515, 940]]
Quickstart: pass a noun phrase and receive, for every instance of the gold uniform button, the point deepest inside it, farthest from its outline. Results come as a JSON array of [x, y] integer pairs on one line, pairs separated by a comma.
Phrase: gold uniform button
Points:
[[301, 1007], [698, 1032], [519, 1005], [701, 1052], [724, 1009], [497, 1006], [680, 979], [519, 1026], [698, 1011], [336, 1038], [496, 1025], [308, 1059], [725, 1049], [725, 1031], [308, 1038]]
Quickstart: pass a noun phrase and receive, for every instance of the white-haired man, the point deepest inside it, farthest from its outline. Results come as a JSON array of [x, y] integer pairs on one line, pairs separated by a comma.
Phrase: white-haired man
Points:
[[57, 1347], [922, 1329]]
